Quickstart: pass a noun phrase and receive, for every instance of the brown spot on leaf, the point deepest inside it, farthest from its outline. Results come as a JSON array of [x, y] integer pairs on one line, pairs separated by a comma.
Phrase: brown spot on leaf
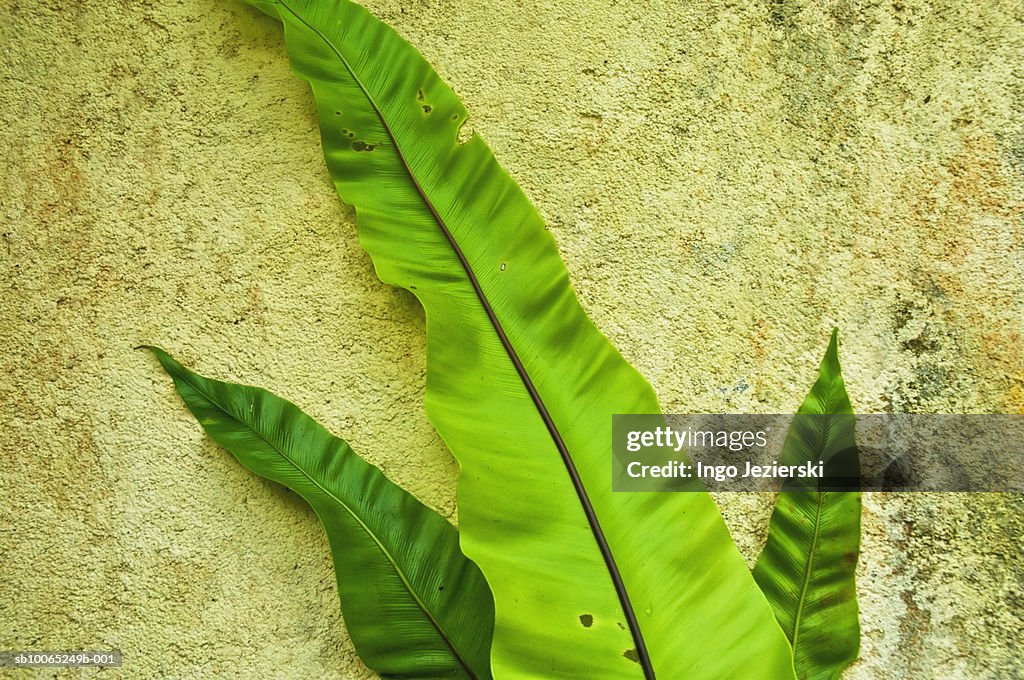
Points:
[[631, 655], [361, 146], [587, 620]]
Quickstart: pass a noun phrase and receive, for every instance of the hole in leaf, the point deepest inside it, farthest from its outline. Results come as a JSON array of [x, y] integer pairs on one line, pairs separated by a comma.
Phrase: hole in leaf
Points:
[[464, 133]]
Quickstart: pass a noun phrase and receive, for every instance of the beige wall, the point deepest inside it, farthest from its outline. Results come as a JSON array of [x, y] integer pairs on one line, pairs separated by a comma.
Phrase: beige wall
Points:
[[726, 182]]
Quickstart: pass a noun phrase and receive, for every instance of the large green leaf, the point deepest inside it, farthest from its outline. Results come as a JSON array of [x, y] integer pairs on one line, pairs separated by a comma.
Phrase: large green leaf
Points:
[[807, 566], [414, 606], [522, 387]]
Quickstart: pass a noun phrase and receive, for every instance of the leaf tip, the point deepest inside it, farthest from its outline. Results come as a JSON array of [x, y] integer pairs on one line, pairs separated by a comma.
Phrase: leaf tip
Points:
[[169, 363], [831, 359], [158, 352]]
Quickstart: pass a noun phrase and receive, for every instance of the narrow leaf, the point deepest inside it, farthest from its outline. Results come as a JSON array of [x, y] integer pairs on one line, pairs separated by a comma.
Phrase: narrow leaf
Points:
[[807, 567], [414, 606], [522, 387]]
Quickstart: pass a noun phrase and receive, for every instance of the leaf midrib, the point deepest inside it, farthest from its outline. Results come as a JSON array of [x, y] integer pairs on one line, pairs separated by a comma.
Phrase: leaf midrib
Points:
[[594, 523], [827, 409], [380, 546], [809, 567]]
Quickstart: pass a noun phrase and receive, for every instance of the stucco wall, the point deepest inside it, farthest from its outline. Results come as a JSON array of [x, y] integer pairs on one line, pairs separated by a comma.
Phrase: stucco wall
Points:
[[726, 181]]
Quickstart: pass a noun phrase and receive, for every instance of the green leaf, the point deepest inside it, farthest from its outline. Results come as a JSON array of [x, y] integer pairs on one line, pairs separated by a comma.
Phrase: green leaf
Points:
[[414, 606], [522, 387], [807, 566]]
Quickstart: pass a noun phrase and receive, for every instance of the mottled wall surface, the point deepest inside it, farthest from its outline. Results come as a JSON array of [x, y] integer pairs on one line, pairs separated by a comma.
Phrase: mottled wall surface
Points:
[[726, 182]]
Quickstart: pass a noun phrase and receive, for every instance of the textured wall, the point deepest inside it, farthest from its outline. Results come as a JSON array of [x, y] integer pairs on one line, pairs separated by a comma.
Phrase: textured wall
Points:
[[726, 181]]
